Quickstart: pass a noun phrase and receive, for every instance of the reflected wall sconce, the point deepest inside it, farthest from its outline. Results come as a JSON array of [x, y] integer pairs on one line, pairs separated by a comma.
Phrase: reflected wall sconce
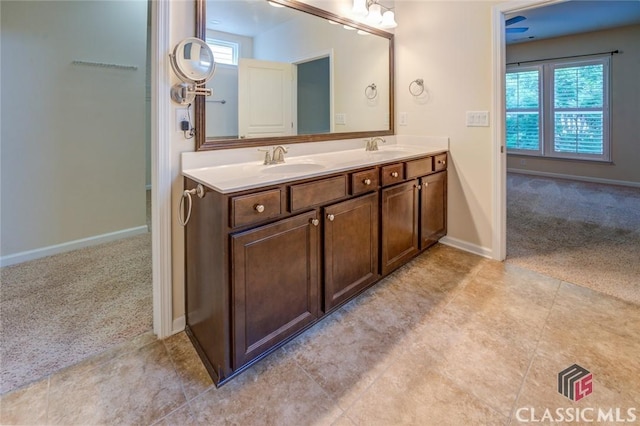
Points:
[[371, 10]]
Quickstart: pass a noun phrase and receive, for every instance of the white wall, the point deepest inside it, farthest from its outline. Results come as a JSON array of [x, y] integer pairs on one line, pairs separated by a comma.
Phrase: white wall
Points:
[[625, 102], [73, 137], [448, 44]]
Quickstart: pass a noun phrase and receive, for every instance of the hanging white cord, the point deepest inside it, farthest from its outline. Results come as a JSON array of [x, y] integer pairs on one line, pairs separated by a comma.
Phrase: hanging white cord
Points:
[[187, 193]]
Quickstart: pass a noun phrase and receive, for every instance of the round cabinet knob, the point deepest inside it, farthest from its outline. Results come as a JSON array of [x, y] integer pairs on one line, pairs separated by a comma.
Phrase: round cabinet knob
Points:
[[315, 222], [330, 217], [367, 181], [442, 162], [419, 186], [426, 184], [259, 208], [394, 174]]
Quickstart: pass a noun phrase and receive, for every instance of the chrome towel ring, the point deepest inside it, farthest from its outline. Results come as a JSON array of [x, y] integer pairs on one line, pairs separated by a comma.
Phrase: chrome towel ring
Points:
[[416, 87], [371, 91], [187, 193]]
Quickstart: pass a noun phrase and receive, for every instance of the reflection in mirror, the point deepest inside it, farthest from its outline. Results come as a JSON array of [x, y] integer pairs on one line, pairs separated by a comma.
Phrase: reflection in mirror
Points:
[[286, 73]]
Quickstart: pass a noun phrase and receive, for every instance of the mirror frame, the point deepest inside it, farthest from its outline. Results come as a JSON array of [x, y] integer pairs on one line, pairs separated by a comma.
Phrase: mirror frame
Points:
[[204, 144]]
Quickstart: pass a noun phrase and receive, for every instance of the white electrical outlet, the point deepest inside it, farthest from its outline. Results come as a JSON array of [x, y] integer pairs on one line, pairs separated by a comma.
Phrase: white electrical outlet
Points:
[[182, 114], [341, 118]]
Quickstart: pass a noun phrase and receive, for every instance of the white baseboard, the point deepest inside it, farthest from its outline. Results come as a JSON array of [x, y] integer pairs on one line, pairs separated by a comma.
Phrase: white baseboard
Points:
[[25, 256], [466, 246], [179, 324], [572, 177]]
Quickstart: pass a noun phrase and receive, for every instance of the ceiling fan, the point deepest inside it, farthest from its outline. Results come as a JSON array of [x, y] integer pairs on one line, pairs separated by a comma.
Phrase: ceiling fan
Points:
[[512, 21]]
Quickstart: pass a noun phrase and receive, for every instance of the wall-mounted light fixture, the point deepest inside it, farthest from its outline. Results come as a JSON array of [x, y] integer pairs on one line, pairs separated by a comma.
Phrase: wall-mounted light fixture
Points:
[[371, 10]]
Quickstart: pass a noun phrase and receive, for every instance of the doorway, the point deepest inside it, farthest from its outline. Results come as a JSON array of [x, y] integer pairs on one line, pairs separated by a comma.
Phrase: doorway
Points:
[[314, 83], [566, 220], [75, 166]]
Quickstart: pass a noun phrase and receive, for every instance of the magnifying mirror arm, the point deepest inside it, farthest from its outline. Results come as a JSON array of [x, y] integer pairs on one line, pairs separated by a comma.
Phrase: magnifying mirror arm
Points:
[[185, 93]]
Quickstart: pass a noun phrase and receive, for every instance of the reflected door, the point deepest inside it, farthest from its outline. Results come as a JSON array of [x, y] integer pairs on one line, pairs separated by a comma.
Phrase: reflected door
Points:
[[265, 98], [314, 96]]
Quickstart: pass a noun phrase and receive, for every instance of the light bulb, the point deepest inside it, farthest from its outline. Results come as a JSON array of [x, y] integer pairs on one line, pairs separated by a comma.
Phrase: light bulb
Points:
[[375, 14], [388, 20], [359, 7]]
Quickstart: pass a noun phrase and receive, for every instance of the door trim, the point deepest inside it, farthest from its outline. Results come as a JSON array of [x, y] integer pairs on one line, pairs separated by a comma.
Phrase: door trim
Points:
[[499, 177], [161, 169]]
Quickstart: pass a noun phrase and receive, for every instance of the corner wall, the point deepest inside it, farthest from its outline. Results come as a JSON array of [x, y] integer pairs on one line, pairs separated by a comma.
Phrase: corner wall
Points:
[[448, 45], [625, 103]]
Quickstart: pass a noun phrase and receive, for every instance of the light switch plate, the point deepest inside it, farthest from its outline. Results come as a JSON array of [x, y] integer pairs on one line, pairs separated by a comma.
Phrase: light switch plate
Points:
[[477, 118], [341, 118], [403, 119]]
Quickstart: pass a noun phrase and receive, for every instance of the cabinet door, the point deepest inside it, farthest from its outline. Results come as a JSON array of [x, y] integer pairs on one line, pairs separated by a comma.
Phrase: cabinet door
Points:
[[433, 209], [350, 247], [275, 284], [399, 225]]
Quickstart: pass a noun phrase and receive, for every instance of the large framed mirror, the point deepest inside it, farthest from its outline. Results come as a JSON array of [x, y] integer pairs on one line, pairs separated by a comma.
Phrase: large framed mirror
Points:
[[289, 74]]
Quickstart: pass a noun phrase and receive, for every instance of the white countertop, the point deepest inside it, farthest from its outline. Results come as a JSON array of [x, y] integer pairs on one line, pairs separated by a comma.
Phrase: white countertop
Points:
[[238, 176]]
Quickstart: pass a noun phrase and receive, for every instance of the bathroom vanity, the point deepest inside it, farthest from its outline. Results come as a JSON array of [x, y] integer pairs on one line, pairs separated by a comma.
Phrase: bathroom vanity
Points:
[[271, 250]]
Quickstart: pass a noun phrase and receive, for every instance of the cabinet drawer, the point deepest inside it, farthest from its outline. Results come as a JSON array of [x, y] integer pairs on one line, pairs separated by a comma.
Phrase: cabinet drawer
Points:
[[319, 192], [417, 168], [440, 162], [253, 208], [364, 181], [391, 174]]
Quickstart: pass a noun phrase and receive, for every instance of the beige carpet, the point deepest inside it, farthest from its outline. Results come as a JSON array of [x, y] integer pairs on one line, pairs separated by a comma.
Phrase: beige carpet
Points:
[[584, 233], [61, 309]]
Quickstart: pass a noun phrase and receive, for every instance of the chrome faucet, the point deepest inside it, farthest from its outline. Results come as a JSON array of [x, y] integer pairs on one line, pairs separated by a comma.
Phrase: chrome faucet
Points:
[[277, 157], [372, 144]]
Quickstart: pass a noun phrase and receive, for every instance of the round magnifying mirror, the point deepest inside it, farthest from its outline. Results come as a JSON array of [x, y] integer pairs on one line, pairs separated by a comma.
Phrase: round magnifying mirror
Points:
[[192, 60]]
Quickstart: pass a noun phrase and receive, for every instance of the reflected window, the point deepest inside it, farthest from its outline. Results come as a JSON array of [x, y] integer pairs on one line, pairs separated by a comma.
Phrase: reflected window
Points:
[[224, 52]]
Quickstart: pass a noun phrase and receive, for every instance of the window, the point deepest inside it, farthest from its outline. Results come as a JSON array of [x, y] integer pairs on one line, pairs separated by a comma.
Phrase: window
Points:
[[224, 52], [559, 110], [524, 111]]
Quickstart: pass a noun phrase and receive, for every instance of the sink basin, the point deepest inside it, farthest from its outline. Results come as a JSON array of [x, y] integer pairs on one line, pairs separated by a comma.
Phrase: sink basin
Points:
[[293, 168]]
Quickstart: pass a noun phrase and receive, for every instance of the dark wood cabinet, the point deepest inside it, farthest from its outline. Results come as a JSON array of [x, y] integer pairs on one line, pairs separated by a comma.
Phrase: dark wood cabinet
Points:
[[264, 264], [275, 284], [350, 248], [433, 208], [400, 209]]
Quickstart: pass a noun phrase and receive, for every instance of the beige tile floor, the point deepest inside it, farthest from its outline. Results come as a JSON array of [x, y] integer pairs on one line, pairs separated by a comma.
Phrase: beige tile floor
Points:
[[449, 339]]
